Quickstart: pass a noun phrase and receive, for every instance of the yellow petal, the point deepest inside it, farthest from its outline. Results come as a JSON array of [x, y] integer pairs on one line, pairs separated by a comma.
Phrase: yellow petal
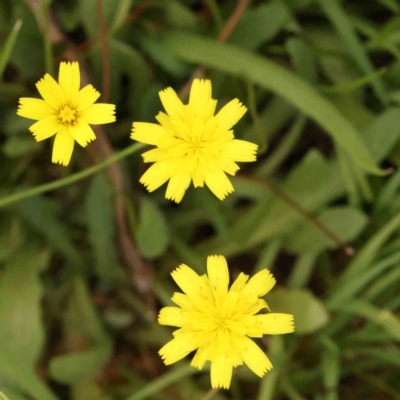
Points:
[[218, 274], [218, 183], [240, 150], [82, 132], [200, 93], [155, 155], [51, 92], [85, 97], [69, 79], [275, 323], [178, 348], [230, 114], [171, 316], [171, 102], [157, 175], [200, 99], [221, 372], [187, 279], [177, 186], [63, 147], [146, 132], [201, 356], [260, 284], [255, 358], [45, 128], [34, 108], [99, 113]]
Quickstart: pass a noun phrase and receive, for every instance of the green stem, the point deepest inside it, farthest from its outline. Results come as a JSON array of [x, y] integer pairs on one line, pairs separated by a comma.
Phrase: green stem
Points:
[[48, 187], [165, 380]]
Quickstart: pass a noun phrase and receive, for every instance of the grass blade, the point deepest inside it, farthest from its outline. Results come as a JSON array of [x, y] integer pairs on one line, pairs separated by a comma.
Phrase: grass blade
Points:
[[8, 46]]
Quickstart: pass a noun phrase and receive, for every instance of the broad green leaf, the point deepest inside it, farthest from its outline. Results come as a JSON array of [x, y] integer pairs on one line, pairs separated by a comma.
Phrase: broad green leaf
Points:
[[310, 314], [271, 76], [303, 58], [16, 370], [258, 25], [100, 217], [81, 323], [346, 223], [152, 234], [89, 389], [72, 368], [163, 56], [16, 146], [382, 135], [39, 213], [20, 310], [8, 46]]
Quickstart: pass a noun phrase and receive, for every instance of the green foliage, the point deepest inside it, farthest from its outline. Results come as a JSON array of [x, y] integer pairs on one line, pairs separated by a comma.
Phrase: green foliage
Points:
[[86, 253]]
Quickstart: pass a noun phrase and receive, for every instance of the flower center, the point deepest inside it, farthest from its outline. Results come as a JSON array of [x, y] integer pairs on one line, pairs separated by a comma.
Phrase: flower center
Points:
[[67, 115]]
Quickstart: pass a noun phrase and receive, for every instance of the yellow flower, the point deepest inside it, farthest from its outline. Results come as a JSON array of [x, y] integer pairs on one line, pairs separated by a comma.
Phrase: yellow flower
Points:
[[217, 322], [65, 111], [193, 144]]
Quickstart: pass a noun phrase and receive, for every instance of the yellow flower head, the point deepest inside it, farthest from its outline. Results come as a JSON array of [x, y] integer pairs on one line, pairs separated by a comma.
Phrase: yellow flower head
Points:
[[217, 322], [193, 143], [66, 111]]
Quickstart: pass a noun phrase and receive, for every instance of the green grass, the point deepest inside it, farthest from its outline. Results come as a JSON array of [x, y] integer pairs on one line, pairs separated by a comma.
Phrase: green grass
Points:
[[80, 290]]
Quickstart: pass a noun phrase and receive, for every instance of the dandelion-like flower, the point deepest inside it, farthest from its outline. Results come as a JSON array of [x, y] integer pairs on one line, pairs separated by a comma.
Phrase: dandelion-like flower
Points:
[[193, 144], [218, 322], [65, 111]]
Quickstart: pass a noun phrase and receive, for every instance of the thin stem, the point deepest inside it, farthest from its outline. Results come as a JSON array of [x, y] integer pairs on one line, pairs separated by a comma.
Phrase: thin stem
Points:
[[48, 187], [105, 54], [302, 211], [233, 20]]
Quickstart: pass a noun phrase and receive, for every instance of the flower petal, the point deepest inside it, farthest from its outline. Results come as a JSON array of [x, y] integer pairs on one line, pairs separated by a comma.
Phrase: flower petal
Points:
[[45, 128], [69, 79], [82, 132], [171, 102], [221, 372], [177, 186], [171, 316], [218, 274], [146, 132], [34, 108], [157, 175], [63, 147], [255, 358], [99, 113], [240, 150], [275, 323], [200, 99], [187, 279], [260, 284], [85, 97], [51, 92], [230, 114], [218, 183], [178, 348]]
